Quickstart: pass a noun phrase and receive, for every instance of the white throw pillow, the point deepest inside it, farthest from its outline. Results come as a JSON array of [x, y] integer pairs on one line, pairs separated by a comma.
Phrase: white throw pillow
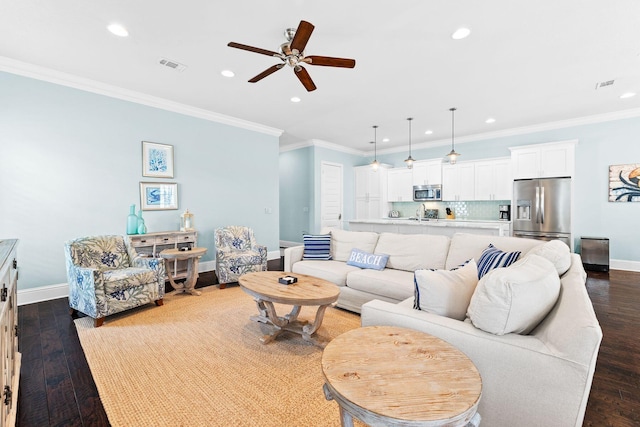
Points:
[[446, 292], [555, 251], [342, 241], [516, 298]]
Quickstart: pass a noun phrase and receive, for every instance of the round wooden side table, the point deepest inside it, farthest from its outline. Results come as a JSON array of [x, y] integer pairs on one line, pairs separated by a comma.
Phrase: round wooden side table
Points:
[[390, 376], [192, 256]]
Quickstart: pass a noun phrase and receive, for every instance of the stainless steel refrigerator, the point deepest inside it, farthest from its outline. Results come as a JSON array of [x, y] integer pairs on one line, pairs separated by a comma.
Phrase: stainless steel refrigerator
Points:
[[542, 209]]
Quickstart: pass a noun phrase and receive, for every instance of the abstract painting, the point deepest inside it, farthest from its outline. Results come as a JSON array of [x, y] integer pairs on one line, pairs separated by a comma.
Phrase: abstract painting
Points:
[[624, 183], [157, 160]]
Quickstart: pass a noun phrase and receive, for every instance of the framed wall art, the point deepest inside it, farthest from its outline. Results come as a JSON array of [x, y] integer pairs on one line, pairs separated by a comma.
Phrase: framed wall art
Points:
[[157, 160], [158, 196], [624, 183]]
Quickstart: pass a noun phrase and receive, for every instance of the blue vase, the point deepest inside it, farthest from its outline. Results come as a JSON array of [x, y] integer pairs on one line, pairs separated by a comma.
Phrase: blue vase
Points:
[[132, 221], [142, 228]]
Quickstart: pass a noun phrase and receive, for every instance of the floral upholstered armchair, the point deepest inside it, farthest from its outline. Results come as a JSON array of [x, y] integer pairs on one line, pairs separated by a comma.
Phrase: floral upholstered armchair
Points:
[[106, 276], [237, 253]]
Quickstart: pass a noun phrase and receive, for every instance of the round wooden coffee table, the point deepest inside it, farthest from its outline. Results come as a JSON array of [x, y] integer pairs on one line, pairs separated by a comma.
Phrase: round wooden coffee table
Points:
[[263, 286], [390, 376]]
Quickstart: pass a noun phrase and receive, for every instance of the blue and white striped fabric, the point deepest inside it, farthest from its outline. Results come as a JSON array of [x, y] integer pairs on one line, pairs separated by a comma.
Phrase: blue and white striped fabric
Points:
[[493, 257], [317, 247]]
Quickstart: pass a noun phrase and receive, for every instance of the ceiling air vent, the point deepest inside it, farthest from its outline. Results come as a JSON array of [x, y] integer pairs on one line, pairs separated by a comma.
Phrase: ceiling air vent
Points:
[[172, 64], [604, 84]]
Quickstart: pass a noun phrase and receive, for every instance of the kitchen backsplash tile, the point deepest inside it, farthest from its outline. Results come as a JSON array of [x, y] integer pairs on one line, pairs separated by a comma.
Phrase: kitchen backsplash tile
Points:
[[481, 210]]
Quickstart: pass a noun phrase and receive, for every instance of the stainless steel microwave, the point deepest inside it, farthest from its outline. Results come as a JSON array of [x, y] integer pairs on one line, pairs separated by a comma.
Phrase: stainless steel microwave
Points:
[[424, 193]]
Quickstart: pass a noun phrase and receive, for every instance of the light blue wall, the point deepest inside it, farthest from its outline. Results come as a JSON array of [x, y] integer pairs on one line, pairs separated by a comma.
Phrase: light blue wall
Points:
[[70, 165], [300, 179], [600, 145], [296, 188]]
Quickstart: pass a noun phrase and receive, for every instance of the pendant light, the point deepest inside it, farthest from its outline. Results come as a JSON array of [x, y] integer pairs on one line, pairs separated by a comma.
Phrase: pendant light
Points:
[[375, 163], [409, 160], [453, 156]]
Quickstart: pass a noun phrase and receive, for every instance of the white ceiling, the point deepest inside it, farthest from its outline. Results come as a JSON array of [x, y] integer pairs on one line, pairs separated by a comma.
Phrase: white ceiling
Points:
[[524, 64]]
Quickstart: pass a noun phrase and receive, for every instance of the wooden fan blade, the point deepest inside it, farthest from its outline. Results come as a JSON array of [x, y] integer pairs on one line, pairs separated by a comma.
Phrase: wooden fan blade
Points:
[[302, 36], [253, 49], [305, 78], [266, 72], [328, 61]]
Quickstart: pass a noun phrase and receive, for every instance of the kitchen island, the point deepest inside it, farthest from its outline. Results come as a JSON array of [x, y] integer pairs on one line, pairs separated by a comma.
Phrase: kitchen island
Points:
[[446, 227]]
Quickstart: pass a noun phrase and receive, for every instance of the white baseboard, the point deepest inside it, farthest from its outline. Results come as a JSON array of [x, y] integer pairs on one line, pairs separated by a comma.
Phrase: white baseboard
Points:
[[621, 264], [288, 244], [42, 293], [61, 290]]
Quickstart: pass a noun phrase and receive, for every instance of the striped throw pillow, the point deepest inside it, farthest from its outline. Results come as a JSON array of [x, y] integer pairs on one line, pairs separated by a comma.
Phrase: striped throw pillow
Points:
[[317, 247], [493, 257]]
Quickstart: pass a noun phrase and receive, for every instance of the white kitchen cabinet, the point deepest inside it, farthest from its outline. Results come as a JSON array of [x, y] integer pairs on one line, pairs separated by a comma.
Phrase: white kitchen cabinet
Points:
[[493, 179], [548, 160], [399, 185], [427, 172], [458, 182], [370, 192]]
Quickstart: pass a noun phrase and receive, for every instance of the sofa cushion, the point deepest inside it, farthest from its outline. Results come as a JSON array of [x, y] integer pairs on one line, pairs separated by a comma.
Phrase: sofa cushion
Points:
[[516, 298], [555, 251], [364, 259], [493, 257], [395, 284], [465, 246], [411, 252], [125, 278], [317, 246], [332, 271], [343, 241], [446, 292]]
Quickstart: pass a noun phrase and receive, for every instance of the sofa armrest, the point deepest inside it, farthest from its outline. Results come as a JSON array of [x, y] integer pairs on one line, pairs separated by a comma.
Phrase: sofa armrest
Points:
[[292, 255]]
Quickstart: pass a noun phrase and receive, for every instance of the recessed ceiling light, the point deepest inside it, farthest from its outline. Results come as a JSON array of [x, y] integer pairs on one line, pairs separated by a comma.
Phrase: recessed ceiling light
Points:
[[385, 139], [227, 73], [428, 132], [628, 95], [295, 99], [460, 33], [118, 30], [490, 120]]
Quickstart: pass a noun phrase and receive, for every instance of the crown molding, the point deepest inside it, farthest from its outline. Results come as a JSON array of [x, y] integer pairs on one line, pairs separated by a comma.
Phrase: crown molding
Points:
[[52, 76], [322, 144]]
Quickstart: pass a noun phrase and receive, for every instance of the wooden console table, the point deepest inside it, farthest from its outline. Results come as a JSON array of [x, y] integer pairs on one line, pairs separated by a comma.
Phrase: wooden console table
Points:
[[390, 376], [151, 244]]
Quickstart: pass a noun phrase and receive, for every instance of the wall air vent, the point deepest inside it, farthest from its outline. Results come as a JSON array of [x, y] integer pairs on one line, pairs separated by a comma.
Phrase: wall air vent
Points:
[[172, 64], [604, 84]]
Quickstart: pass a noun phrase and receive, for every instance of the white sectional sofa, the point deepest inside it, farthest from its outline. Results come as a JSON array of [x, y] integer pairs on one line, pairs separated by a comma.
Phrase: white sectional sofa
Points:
[[539, 379]]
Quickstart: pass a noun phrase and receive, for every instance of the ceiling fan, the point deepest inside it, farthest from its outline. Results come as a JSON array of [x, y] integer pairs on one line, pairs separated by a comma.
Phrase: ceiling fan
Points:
[[292, 54]]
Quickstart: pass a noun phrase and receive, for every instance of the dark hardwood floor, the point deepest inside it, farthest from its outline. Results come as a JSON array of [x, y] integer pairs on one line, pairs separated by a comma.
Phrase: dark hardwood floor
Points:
[[56, 387]]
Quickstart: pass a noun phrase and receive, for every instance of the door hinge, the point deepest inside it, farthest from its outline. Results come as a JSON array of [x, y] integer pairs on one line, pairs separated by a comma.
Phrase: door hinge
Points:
[[15, 263], [16, 328], [3, 293], [7, 395]]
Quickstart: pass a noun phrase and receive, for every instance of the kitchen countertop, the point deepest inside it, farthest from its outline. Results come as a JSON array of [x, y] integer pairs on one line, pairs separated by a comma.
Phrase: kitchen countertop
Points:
[[469, 223]]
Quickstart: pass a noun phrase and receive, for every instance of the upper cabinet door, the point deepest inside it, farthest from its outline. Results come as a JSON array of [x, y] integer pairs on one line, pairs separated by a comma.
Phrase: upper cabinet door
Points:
[[493, 180], [427, 172], [458, 182], [543, 160], [399, 185]]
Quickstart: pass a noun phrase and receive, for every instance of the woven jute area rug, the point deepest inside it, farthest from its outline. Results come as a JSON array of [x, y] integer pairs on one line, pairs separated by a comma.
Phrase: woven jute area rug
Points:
[[198, 361]]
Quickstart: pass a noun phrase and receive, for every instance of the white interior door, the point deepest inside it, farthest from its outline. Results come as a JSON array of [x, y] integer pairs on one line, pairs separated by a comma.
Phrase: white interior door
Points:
[[331, 195]]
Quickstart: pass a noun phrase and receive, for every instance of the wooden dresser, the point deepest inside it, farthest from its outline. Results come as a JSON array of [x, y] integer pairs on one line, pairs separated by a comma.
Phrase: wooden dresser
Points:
[[9, 331], [151, 244]]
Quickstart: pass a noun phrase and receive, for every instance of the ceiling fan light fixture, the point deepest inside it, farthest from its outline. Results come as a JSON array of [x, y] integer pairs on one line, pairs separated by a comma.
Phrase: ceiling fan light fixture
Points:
[[453, 156], [409, 160]]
